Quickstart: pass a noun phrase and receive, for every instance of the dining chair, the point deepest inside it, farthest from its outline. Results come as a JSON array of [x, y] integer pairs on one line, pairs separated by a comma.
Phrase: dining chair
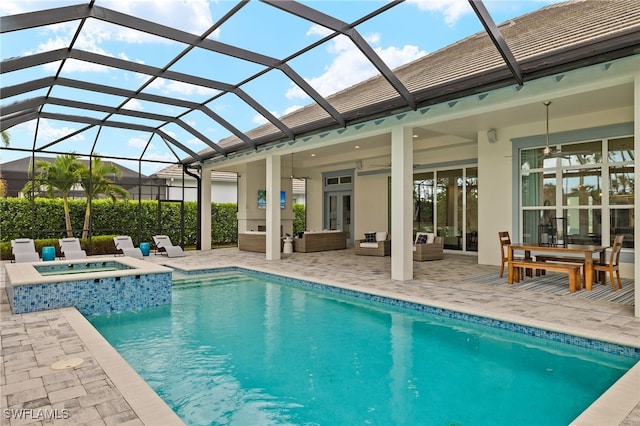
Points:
[[505, 242], [612, 265]]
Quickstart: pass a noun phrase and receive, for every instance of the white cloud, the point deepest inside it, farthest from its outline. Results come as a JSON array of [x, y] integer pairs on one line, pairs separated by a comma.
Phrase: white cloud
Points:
[[188, 15], [134, 105], [319, 30], [291, 109], [350, 66], [138, 143], [48, 132], [158, 156], [195, 143], [186, 89], [452, 10], [259, 119]]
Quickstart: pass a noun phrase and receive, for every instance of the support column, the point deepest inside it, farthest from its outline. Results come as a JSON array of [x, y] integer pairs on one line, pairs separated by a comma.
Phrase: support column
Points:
[[401, 203], [636, 163], [205, 209], [273, 207]]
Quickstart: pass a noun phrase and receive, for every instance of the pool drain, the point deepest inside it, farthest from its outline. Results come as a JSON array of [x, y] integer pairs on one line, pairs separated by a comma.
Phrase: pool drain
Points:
[[66, 364]]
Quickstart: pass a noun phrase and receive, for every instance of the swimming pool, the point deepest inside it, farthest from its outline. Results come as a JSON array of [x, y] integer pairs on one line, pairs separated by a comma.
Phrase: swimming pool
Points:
[[238, 348]]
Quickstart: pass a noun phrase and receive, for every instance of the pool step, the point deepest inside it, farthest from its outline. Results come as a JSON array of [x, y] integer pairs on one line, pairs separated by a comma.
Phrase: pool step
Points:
[[186, 281]]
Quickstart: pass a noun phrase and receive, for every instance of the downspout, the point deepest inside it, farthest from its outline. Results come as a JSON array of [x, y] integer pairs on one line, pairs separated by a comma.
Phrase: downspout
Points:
[[185, 170]]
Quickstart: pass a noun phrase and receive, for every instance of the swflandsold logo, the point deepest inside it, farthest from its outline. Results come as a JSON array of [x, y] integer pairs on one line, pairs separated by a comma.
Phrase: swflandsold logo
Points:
[[35, 413]]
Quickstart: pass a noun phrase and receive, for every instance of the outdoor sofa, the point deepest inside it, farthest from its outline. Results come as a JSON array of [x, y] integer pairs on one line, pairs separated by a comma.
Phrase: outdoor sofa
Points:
[[254, 241], [320, 241]]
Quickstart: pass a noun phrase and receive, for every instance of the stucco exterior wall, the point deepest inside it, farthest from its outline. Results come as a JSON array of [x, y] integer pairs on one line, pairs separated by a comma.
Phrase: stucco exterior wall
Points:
[[250, 217], [221, 191], [498, 209], [371, 211]]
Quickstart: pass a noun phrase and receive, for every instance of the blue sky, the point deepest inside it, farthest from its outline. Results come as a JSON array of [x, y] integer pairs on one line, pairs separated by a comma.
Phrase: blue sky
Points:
[[400, 35]]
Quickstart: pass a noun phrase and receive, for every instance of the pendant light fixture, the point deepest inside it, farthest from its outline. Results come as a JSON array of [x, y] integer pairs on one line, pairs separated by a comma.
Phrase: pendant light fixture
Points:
[[547, 148]]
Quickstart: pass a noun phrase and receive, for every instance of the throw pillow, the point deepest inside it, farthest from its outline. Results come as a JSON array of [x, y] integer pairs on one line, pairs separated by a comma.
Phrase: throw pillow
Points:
[[422, 239], [431, 237], [369, 237], [381, 236]]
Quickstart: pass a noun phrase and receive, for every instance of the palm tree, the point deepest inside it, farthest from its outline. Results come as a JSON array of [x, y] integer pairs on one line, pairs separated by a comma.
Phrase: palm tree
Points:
[[95, 182], [57, 178], [3, 185]]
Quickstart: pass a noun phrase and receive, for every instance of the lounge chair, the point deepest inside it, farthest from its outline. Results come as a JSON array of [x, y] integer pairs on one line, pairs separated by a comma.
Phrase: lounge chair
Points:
[[70, 248], [24, 250], [163, 243], [125, 244]]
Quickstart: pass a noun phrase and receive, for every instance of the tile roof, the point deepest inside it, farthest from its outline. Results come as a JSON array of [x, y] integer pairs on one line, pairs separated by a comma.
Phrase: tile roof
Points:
[[557, 37]]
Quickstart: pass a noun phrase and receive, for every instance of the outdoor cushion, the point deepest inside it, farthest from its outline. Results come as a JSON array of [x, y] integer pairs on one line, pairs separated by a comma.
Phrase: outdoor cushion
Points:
[[370, 237], [381, 236], [368, 245], [430, 238]]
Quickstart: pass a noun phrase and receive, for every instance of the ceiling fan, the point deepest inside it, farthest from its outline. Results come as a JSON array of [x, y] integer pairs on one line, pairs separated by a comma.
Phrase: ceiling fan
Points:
[[292, 176]]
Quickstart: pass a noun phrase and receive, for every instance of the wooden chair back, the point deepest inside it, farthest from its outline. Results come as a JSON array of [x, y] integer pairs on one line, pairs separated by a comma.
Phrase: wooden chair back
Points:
[[505, 240], [612, 266], [615, 250]]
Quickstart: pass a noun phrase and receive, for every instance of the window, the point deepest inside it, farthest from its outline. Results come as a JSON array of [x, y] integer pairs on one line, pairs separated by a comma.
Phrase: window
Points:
[[339, 180], [594, 192], [446, 202]]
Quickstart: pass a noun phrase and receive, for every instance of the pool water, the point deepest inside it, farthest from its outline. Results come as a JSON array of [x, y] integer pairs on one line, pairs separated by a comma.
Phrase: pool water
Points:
[[242, 349], [80, 268]]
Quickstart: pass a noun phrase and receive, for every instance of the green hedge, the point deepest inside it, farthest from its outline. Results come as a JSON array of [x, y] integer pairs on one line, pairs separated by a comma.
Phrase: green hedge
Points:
[[45, 222], [300, 218]]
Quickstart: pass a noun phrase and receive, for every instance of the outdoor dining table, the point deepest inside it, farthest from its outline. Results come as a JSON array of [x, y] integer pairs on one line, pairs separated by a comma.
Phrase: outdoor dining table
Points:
[[586, 250]]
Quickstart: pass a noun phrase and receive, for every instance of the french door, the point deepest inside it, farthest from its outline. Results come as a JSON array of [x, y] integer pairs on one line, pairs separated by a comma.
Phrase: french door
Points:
[[338, 207]]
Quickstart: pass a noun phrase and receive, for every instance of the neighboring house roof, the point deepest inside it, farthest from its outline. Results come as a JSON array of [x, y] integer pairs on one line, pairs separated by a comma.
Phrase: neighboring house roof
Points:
[[175, 171], [16, 173], [23, 165]]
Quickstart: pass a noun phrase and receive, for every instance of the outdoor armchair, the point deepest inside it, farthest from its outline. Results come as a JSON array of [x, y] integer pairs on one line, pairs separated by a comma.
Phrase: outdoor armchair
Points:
[[428, 247], [374, 244]]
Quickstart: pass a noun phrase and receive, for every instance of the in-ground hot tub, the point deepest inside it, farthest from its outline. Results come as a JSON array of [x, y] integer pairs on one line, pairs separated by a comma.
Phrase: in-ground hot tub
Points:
[[93, 286]]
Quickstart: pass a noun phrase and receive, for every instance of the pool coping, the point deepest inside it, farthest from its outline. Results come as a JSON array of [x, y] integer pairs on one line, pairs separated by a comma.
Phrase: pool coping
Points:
[[143, 400], [25, 273]]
